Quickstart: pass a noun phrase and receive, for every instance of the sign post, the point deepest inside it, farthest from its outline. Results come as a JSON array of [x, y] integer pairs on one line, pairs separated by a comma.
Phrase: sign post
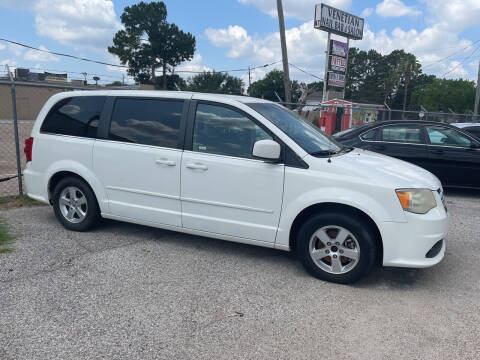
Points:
[[324, 94], [337, 22]]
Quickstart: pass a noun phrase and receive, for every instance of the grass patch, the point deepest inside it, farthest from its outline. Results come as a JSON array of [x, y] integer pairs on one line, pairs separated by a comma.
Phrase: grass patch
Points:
[[6, 239], [10, 202]]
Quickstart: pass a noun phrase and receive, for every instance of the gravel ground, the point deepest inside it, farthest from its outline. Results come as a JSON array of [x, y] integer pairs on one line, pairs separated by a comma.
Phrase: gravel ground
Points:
[[127, 291]]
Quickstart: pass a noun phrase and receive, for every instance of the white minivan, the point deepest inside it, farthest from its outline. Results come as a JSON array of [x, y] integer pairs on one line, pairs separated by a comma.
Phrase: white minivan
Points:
[[234, 168]]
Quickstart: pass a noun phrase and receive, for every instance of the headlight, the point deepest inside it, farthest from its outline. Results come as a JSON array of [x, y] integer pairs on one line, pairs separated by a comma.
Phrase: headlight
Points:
[[418, 201]]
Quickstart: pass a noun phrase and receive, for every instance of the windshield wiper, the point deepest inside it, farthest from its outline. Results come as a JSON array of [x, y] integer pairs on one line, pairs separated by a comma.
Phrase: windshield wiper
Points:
[[323, 152], [346, 149]]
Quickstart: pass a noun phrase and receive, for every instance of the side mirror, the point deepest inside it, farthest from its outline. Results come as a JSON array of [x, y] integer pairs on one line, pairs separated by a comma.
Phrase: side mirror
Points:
[[266, 149]]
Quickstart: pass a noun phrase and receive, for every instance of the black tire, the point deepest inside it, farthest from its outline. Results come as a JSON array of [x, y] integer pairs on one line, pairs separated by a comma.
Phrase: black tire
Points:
[[360, 230], [92, 216]]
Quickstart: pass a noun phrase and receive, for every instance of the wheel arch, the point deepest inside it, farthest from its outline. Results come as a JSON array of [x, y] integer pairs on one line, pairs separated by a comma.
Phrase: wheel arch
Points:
[[62, 174], [334, 207]]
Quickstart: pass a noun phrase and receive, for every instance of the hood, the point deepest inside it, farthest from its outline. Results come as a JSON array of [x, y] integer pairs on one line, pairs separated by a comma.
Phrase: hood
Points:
[[386, 170]]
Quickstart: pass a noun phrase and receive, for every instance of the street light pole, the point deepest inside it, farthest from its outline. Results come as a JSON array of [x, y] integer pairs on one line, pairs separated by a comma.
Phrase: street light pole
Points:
[[286, 75]]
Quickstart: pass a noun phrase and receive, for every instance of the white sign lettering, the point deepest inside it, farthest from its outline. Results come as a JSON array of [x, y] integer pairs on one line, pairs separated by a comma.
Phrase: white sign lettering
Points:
[[338, 22]]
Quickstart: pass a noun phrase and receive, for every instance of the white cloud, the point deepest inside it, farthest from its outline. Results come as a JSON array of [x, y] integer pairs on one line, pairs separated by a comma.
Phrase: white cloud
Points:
[[306, 46], [2, 46], [299, 9], [196, 64], [395, 8], [459, 14], [78, 23], [33, 55], [456, 70], [366, 12]]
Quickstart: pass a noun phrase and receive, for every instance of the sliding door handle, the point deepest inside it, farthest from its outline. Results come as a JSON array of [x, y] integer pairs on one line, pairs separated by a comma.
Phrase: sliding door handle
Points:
[[165, 162], [196, 166]]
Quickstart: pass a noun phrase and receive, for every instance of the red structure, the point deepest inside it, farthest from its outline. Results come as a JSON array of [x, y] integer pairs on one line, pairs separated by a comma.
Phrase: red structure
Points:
[[338, 115]]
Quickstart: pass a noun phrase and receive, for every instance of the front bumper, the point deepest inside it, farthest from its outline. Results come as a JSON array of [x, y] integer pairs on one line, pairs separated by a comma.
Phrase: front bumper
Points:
[[409, 244]]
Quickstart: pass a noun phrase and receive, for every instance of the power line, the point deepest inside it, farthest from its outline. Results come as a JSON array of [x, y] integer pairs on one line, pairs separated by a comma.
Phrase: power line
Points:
[[449, 56], [123, 66], [306, 72], [464, 60], [61, 54]]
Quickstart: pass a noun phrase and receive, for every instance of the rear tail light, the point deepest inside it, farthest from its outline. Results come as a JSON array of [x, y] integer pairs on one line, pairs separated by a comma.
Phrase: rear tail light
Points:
[[28, 148]]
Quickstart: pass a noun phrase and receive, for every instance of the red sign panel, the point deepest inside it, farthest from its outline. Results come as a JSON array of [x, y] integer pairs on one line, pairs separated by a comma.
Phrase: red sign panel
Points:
[[335, 79], [338, 64]]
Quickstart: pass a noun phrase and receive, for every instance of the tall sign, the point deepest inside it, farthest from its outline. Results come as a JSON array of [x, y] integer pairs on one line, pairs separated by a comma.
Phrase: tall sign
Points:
[[338, 22]]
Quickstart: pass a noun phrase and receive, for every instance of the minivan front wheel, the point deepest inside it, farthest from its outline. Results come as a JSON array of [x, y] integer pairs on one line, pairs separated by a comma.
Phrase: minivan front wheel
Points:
[[75, 205], [336, 247]]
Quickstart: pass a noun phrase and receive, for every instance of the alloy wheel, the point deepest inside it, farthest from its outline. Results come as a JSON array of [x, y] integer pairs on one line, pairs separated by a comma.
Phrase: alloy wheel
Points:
[[334, 249], [73, 204]]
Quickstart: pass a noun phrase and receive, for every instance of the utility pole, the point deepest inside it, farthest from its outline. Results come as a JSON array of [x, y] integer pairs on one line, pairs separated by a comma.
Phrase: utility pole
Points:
[[477, 94], [325, 77], [286, 75], [407, 80], [249, 81]]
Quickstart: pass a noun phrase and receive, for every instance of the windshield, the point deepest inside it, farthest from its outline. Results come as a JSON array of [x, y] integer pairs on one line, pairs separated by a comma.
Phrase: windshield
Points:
[[311, 139]]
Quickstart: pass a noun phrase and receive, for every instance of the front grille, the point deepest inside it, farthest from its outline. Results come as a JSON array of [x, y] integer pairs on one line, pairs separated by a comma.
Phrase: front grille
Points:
[[434, 250]]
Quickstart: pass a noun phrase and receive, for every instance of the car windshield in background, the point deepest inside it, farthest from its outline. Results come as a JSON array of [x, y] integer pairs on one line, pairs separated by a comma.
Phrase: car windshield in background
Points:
[[311, 139]]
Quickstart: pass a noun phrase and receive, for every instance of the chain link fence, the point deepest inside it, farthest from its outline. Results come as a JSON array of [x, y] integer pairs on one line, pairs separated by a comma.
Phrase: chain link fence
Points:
[[345, 116], [29, 98]]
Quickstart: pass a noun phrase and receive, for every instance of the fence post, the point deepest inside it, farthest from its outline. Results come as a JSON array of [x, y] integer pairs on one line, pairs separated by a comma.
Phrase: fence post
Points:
[[389, 111], [15, 127]]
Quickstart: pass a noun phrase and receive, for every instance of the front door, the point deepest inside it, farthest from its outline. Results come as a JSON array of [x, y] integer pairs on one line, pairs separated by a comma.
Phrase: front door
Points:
[[452, 157], [402, 141], [224, 189], [139, 163]]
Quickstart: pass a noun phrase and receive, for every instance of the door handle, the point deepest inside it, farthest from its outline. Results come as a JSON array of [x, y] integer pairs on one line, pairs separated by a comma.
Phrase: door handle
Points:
[[165, 162], [196, 166]]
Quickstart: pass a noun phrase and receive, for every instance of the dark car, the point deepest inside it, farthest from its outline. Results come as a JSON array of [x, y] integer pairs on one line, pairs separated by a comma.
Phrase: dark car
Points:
[[450, 153], [472, 128]]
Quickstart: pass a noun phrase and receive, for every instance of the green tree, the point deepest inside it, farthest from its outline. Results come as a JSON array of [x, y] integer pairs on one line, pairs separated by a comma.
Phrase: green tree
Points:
[[373, 77], [172, 80], [115, 83], [273, 83], [444, 94], [148, 42], [215, 82]]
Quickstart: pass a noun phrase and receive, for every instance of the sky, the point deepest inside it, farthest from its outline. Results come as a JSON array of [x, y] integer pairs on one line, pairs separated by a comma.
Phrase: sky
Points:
[[235, 34]]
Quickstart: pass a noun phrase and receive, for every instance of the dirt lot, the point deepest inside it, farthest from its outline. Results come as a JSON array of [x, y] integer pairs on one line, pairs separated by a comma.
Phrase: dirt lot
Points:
[[8, 162], [127, 291]]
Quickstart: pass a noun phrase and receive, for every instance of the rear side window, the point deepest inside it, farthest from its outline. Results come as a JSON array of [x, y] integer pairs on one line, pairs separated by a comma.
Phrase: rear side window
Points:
[[401, 133], [439, 135], [75, 116], [146, 121]]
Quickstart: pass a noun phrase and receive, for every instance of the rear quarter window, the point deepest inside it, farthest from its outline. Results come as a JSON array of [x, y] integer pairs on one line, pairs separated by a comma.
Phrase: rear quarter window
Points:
[[74, 116]]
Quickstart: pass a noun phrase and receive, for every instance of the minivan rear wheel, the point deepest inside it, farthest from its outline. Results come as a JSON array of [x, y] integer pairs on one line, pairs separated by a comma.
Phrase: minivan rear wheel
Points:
[[75, 205], [336, 247]]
